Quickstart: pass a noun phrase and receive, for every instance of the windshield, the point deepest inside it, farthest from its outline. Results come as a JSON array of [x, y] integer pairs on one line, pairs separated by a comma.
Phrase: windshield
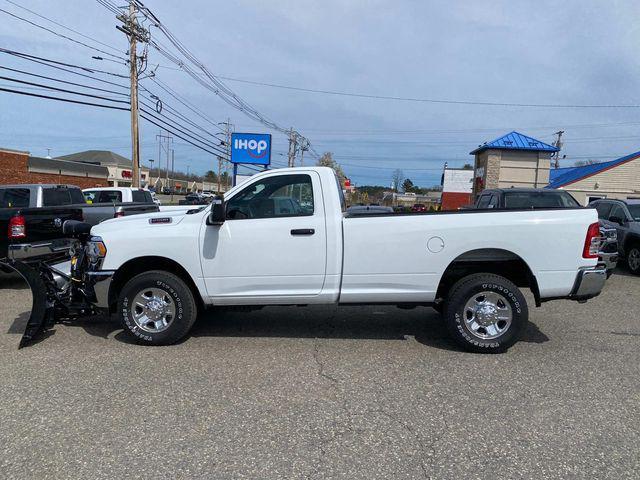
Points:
[[549, 199], [634, 210]]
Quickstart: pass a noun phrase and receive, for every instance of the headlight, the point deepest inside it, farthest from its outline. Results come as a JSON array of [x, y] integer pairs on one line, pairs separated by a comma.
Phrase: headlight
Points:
[[96, 249]]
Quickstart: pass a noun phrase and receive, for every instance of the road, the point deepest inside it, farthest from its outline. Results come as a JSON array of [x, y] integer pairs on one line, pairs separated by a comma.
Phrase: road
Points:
[[355, 392]]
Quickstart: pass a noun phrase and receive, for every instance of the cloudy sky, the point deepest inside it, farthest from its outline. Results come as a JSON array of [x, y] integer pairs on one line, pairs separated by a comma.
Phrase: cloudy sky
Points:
[[516, 52]]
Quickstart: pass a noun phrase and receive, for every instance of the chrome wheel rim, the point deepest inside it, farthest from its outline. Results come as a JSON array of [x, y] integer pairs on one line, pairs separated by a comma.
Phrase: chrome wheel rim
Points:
[[634, 259], [153, 310], [487, 315]]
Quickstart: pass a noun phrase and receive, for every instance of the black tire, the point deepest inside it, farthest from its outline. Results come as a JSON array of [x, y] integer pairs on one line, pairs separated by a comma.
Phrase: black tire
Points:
[[509, 299], [634, 267], [177, 293]]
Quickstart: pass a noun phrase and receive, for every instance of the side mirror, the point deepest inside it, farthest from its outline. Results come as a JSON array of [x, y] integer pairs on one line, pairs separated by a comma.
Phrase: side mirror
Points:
[[617, 220], [218, 212]]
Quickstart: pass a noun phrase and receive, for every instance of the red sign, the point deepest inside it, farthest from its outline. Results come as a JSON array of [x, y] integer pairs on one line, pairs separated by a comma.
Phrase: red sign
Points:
[[126, 174], [347, 182]]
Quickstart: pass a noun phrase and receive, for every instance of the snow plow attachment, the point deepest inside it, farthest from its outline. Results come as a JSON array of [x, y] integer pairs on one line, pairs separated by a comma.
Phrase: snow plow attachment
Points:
[[42, 307], [54, 272]]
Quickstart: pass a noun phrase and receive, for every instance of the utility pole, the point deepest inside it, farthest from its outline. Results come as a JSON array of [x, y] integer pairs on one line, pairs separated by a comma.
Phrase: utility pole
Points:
[[228, 129], [135, 33], [558, 144], [293, 146], [161, 139]]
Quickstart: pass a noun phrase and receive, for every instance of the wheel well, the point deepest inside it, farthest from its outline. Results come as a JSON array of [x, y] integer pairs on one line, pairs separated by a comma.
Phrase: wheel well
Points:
[[144, 264], [489, 260], [631, 241]]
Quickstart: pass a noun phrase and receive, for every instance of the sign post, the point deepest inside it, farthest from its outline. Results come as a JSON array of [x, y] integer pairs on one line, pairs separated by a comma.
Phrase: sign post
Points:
[[250, 149]]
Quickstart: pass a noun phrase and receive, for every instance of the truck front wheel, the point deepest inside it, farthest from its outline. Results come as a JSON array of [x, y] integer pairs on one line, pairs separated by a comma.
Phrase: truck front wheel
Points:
[[486, 313], [157, 308]]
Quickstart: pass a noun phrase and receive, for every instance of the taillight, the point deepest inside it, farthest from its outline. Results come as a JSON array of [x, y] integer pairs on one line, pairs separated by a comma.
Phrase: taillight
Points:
[[17, 227], [592, 242], [118, 214]]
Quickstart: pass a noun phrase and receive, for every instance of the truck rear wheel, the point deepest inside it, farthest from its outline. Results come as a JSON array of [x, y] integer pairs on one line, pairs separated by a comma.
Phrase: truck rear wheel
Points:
[[486, 313], [157, 308]]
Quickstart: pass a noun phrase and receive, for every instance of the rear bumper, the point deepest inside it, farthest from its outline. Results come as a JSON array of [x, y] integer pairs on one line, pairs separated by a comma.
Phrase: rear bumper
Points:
[[608, 260], [589, 283], [25, 251]]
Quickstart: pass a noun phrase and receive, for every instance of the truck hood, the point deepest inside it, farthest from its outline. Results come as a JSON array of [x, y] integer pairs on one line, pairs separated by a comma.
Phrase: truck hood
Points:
[[172, 217]]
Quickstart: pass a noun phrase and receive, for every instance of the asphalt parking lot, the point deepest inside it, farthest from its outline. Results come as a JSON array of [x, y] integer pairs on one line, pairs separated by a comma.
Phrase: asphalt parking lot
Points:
[[355, 392]]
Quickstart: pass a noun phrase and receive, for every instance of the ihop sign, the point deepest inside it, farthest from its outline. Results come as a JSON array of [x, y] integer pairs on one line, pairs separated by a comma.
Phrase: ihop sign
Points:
[[252, 148]]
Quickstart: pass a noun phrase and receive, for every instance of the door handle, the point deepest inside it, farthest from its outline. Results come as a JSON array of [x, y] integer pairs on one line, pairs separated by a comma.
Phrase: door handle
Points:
[[303, 231]]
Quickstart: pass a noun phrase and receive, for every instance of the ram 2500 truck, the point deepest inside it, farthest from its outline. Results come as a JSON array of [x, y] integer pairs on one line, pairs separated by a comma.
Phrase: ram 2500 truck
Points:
[[283, 238], [52, 195]]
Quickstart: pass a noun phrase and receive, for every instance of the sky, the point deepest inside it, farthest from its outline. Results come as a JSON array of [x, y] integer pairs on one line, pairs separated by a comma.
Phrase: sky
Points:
[[568, 53]]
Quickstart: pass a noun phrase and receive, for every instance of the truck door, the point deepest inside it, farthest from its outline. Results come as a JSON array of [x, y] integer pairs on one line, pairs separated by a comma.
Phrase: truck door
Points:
[[273, 243]]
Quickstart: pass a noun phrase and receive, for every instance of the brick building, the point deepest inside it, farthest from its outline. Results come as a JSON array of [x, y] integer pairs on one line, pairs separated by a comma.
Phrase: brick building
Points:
[[19, 167], [457, 185]]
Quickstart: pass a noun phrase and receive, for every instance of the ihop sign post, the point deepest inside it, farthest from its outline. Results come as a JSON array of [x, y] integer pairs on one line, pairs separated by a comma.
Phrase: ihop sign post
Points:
[[250, 149]]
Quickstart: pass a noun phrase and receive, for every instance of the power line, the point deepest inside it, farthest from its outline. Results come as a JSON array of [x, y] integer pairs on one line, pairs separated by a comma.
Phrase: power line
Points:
[[63, 90], [143, 115], [186, 103], [182, 130], [62, 35], [423, 100], [63, 26], [62, 81], [62, 99], [43, 60]]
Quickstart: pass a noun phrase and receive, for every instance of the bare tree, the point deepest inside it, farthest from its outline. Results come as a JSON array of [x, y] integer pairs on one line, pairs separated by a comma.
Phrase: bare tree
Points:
[[396, 179], [326, 160]]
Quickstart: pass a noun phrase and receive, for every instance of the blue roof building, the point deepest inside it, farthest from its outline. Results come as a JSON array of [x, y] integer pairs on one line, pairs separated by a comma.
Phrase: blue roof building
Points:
[[619, 178], [512, 160], [516, 141]]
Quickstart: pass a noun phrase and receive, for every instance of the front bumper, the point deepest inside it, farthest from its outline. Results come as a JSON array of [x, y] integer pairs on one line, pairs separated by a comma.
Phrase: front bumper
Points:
[[589, 283], [96, 283]]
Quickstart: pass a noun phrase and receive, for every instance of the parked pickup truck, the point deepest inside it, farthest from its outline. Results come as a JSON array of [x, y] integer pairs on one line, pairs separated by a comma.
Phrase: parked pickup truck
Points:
[[45, 195], [38, 230], [469, 265], [536, 198]]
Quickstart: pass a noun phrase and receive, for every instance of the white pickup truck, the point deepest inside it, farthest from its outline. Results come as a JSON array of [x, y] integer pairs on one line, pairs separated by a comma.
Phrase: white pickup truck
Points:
[[283, 238]]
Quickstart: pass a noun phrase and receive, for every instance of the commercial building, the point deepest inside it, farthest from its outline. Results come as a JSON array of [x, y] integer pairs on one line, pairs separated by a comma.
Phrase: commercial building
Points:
[[120, 168], [431, 200], [457, 187], [619, 178], [513, 160], [20, 167]]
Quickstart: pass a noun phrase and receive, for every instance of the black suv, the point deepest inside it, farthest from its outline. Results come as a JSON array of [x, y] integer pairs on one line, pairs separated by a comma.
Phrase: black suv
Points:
[[624, 216]]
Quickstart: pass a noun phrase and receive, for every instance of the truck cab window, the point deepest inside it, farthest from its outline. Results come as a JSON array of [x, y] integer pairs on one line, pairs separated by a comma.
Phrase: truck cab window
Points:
[[14, 198], [109, 196], [138, 196], [54, 197], [483, 201], [278, 196], [603, 210]]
